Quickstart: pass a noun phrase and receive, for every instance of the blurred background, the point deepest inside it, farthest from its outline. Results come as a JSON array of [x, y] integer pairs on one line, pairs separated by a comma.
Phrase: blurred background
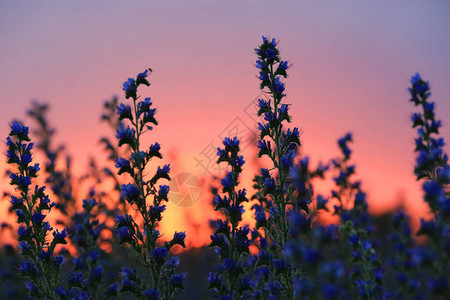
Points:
[[350, 68]]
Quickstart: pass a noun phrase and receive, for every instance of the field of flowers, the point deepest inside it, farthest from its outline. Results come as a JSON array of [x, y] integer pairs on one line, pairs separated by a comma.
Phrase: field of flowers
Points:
[[113, 249]]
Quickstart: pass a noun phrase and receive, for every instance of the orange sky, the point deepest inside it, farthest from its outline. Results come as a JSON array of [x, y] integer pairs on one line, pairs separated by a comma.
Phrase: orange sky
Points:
[[351, 66]]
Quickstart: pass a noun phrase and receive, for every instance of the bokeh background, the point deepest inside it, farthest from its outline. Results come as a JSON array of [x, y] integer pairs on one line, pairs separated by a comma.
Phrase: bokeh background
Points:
[[351, 62]]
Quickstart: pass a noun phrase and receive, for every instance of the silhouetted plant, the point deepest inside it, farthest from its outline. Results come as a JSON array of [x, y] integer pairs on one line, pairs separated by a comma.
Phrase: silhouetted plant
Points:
[[151, 254]]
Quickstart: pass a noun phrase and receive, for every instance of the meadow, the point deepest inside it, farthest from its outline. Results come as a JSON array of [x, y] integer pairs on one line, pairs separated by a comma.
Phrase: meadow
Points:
[[278, 238]]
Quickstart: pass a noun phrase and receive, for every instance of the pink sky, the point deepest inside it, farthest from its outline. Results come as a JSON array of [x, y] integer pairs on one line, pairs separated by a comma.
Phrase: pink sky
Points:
[[351, 62]]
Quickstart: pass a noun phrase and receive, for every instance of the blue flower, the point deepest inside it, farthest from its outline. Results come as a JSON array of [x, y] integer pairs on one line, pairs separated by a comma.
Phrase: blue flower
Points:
[[353, 239], [433, 191], [287, 160], [269, 183], [60, 237], [154, 150], [241, 196], [130, 192], [155, 212], [159, 254], [28, 268], [163, 192], [220, 202], [416, 118], [416, 79], [214, 281], [231, 144], [429, 109], [58, 260], [123, 165], [32, 287], [130, 88], [275, 288], [24, 233], [25, 159], [45, 255], [18, 129], [273, 43], [144, 106], [125, 135], [277, 86], [151, 294], [176, 280], [283, 65], [89, 204], [264, 148], [128, 284], [360, 198], [173, 262], [235, 213], [32, 170], [37, 217], [261, 64], [237, 162], [141, 78], [260, 218], [123, 220], [292, 136], [16, 202], [270, 54], [365, 245], [227, 182], [178, 239], [263, 76], [283, 112], [271, 118], [149, 117], [24, 181], [76, 279], [164, 171], [25, 247], [97, 272], [124, 234], [124, 112]]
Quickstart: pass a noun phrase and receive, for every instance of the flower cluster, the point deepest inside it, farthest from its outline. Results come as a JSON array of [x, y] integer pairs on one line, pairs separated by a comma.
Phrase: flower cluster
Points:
[[230, 240], [432, 165], [431, 161], [144, 240], [276, 191], [42, 266]]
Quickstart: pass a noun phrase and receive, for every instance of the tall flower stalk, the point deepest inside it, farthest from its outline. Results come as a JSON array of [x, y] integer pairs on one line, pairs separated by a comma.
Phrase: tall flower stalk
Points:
[[432, 166], [143, 195], [231, 240], [41, 266], [432, 161], [356, 228], [279, 144]]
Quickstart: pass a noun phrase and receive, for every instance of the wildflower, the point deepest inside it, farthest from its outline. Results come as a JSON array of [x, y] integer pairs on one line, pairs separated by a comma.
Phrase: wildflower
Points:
[[130, 192], [130, 88], [178, 239], [124, 112], [125, 135], [151, 294]]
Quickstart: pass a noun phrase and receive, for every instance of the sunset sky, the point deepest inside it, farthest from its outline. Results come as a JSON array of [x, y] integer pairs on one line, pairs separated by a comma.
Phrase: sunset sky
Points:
[[351, 65]]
